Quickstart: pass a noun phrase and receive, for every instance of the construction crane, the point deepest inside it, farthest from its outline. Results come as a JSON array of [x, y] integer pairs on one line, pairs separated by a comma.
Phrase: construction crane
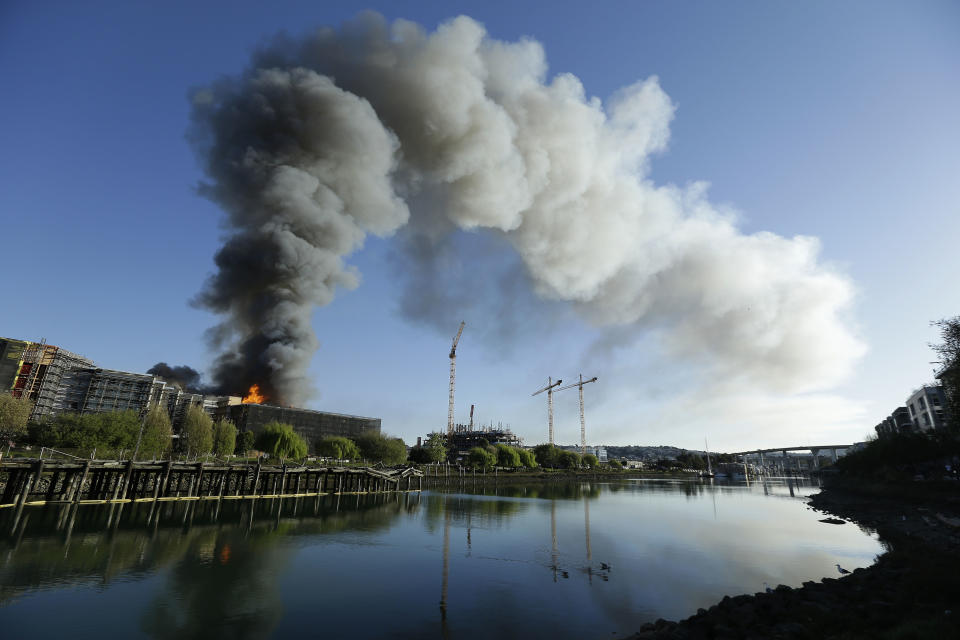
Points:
[[453, 376], [583, 425], [549, 389]]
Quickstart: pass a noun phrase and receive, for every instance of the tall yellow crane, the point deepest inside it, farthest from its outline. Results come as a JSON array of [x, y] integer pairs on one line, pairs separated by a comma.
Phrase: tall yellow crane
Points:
[[551, 385], [453, 376], [583, 425]]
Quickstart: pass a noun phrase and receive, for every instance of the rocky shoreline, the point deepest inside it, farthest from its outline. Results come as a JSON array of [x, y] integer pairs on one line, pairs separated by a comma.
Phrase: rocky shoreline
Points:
[[912, 591]]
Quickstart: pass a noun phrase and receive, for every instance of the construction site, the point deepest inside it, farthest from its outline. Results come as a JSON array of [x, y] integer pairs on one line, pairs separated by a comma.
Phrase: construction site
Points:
[[463, 437], [58, 381]]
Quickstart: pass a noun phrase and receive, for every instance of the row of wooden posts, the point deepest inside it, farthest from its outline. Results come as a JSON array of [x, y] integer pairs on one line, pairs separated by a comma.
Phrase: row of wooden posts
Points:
[[104, 481]]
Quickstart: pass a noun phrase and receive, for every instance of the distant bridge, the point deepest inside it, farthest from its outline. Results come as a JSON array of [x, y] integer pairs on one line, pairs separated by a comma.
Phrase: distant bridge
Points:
[[813, 449]]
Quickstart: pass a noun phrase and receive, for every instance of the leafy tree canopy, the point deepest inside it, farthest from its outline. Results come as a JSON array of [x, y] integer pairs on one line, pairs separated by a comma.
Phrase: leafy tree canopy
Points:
[[569, 459], [527, 458], [547, 455], [507, 456], [197, 432], [381, 448], [280, 441], [590, 461], [14, 413], [949, 353], [436, 447], [157, 434], [245, 442], [338, 447], [224, 438], [480, 458], [114, 430]]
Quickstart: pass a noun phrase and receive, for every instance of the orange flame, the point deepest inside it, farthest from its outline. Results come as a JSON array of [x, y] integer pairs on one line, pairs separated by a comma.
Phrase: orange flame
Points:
[[253, 396]]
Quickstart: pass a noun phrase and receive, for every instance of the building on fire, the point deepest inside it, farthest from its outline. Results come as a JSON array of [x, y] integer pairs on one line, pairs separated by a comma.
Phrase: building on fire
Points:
[[58, 381]]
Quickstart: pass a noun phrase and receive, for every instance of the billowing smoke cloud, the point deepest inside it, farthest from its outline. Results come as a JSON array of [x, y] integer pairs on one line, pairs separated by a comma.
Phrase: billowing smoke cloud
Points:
[[187, 378], [376, 125]]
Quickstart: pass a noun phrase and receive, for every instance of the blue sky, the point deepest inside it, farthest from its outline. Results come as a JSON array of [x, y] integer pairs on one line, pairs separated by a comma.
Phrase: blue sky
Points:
[[820, 119]]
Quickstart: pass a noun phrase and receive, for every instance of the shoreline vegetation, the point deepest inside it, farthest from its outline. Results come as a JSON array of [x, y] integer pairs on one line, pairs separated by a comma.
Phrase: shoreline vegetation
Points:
[[911, 591]]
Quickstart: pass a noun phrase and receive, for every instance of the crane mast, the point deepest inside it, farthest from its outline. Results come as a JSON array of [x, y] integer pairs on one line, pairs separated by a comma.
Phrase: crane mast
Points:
[[551, 385], [583, 424], [453, 377]]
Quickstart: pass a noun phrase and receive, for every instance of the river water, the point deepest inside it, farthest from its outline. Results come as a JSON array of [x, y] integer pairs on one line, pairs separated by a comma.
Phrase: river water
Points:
[[577, 560]]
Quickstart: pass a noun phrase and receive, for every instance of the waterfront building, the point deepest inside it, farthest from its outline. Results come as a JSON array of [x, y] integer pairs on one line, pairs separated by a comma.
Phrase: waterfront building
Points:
[[311, 425], [59, 381], [39, 372], [926, 407], [898, 422]]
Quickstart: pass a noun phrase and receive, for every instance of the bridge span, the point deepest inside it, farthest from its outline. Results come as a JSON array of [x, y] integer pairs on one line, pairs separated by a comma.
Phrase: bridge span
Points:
[[783, 451]]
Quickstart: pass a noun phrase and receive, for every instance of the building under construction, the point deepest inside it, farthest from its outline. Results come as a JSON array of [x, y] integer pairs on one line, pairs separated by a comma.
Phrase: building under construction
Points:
[[464, 438], [58, 381], [40, 372], [311, 425]]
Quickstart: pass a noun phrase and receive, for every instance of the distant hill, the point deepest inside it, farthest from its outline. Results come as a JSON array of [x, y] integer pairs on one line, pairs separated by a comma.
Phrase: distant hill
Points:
[[644, 453]]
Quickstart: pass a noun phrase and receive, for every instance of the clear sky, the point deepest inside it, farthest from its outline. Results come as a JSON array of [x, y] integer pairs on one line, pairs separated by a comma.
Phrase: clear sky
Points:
[[824, 119]]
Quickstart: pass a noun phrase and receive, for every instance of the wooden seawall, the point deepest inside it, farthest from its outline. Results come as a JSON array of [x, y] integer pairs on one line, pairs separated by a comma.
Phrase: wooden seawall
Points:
[[39, 482]]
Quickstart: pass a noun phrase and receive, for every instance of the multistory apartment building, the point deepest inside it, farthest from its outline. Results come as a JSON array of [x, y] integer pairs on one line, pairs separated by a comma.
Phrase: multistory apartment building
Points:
[[926, 407]]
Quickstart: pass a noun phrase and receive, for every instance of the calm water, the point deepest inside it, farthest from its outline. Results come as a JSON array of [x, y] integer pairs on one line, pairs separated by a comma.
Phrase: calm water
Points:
[[459, 564]]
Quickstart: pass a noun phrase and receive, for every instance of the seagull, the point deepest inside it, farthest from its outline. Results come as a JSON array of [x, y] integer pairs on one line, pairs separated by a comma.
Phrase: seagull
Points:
[[767, 587], [842, 570]]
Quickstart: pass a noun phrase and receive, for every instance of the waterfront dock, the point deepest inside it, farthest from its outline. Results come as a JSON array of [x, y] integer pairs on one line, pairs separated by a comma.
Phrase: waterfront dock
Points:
[[39, 482]]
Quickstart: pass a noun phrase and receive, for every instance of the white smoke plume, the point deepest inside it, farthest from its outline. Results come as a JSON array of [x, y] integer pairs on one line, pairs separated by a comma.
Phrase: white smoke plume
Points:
[[375, 126]]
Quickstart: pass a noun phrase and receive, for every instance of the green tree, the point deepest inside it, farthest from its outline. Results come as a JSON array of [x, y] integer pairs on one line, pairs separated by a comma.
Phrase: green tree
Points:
[[949, 354], [507, 456], [690, 460], [14, 413], [157, 433], [547, 455], [197, 431], [436, 447], [380, 448], [480, 458], [224, 438], [338, 448], [280, 441], [590, 461], [116, 430], [614, 464], [245, 442], [568, 459], [527, 458], [418, 454]]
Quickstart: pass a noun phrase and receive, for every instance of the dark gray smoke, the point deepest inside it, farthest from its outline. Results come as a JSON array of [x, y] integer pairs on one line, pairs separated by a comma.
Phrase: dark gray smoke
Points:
[[365, 128], [187, 378]]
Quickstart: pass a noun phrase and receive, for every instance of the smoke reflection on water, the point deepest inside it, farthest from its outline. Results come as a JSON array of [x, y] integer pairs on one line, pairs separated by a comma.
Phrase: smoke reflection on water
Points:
[[513, 559]]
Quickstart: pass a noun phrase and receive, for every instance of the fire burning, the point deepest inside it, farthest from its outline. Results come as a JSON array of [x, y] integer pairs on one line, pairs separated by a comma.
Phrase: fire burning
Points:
[[253, 396]]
